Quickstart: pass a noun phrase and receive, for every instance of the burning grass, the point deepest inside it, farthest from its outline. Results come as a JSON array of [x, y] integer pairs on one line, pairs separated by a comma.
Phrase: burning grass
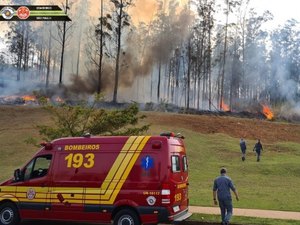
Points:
[[224, 107], [267, 112]]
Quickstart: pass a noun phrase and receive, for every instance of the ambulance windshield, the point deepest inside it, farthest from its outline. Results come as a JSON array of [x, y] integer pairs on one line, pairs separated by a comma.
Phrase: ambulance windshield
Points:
[[38, 167]]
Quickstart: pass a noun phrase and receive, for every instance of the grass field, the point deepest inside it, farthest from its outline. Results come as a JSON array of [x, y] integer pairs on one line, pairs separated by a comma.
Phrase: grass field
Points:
[[272, 183]]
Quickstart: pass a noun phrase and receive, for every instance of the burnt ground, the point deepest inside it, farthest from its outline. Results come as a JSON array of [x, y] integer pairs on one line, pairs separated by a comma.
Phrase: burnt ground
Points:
[[249, 128], [209, 123]]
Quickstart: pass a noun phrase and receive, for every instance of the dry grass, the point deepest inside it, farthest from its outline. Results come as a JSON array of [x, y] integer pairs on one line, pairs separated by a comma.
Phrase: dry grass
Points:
[[18, 124], [267, 131]]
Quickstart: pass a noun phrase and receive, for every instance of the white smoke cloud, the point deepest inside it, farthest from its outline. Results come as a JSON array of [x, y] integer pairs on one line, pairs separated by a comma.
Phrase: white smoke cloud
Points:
[[9, 85]]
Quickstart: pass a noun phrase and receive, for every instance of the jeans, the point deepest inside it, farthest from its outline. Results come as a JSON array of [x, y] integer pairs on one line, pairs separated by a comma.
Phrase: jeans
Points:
[[243, 152], [258, 156], [226, 209]]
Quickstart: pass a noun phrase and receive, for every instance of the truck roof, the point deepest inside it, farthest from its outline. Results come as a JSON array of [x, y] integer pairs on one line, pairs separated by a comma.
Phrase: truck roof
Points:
[[105, 139]]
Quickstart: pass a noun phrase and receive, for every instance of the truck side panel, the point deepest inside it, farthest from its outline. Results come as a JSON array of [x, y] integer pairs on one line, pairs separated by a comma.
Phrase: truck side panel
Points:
[[90, 179]]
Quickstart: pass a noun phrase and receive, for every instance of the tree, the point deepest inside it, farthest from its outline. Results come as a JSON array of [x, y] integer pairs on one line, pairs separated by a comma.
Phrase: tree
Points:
[[202, 49], [230, 4], [119, 20], [102, 33], [82, 14], [285, 63], [49, 57], [87, 118], [101, 50], [169, 32], [255, 57], [20, 41], [62, 32]]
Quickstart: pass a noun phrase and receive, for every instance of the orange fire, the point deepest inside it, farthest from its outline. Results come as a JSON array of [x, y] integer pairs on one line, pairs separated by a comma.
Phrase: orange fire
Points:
[[268, 112], [224, 106], [28, 98], [59, 99]]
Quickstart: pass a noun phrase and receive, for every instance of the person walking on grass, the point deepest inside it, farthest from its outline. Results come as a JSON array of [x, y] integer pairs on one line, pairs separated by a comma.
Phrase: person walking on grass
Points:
[[258, 148], [221, 189], [243, 148]]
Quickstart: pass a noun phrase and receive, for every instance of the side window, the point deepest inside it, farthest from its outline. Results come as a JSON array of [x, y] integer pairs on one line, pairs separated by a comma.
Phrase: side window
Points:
[[28, 170], [184, 163], [175, 163], [38, 167]]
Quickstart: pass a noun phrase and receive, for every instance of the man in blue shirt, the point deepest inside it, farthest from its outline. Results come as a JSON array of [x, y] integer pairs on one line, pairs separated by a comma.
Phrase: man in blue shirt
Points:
[[221, 188]]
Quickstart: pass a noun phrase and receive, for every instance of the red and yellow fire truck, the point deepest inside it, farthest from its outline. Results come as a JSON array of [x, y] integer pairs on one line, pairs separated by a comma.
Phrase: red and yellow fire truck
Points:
[[128, 180]]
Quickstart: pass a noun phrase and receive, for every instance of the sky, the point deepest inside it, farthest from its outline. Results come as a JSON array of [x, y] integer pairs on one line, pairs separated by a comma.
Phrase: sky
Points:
[[281, 9]]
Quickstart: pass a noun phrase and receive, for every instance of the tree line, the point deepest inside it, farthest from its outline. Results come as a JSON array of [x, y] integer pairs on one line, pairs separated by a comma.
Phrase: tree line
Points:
[[185, 55]]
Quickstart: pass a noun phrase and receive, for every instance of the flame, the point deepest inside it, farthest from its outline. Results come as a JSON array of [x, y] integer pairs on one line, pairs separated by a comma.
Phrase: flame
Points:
[[224, 106], [27, 98], [59, 99], [267, 112]]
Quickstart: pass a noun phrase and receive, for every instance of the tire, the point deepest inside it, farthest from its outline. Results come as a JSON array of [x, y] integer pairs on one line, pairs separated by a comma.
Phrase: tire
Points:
[[9, 214], [126, 217]]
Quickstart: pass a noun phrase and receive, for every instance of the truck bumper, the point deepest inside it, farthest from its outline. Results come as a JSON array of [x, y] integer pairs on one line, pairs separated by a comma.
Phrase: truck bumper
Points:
[[182, 215]]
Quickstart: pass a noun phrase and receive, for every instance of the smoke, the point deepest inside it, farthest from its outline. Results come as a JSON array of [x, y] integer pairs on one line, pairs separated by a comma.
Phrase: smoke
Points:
[[143, 11], [9, 85], [87, 85], [143, 48], [155, 45], [285, 88]]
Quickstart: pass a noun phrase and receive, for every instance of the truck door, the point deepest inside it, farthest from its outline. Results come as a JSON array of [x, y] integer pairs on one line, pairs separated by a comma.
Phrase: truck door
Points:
[[179, 180], [33, 186], [68, 186]]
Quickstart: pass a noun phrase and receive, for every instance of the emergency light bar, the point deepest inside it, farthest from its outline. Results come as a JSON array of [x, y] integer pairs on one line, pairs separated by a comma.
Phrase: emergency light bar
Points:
[[171, 134], [47, 145]]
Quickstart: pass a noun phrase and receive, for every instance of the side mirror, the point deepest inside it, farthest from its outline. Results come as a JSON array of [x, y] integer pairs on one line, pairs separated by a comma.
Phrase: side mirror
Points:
[[17, 175]]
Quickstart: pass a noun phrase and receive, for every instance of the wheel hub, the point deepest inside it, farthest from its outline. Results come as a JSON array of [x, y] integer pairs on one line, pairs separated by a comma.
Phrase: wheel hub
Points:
[[6, 216], [126, 221]]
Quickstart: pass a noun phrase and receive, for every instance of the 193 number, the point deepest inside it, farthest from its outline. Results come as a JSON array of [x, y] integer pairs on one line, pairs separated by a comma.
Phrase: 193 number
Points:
[[78, 160]]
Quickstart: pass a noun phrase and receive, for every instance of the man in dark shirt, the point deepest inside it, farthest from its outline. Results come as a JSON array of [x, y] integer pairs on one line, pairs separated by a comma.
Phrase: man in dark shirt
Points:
[[221, 188], [243, 148], [258, 148]]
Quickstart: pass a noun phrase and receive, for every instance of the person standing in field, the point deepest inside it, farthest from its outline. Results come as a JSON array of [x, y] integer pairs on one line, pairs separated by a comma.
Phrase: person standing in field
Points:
[[258, 148], [243, 148], [221, 189]]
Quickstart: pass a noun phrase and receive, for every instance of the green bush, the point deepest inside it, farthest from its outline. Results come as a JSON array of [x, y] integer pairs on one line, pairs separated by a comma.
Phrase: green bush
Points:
[[87, 118]]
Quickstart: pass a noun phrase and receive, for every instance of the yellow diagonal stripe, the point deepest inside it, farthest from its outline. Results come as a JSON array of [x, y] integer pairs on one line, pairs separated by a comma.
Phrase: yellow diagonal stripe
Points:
[[114, 168], [126, 156], [110, 187], [126, 167]]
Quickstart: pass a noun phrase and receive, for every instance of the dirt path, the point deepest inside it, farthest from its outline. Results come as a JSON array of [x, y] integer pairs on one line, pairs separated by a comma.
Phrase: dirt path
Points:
[[273, 214]]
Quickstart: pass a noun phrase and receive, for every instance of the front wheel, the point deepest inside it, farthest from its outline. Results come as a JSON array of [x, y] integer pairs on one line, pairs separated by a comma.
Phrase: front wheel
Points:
[[9, 214], [126, 217]]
